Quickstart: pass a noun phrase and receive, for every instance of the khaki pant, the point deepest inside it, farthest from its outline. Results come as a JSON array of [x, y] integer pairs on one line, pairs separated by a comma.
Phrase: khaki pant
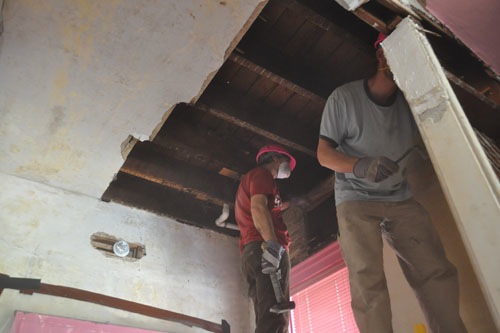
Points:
[[261, 289], [407, 228]]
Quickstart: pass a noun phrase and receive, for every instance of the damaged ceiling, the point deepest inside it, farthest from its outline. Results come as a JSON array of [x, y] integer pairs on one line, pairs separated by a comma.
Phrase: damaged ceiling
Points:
[[272, 89]]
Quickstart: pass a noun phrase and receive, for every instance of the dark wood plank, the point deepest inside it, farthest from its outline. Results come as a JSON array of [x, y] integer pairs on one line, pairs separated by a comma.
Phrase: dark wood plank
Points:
[[306, 37], [180, 206], [243, 79], [261, 89], [150, 163], [264, 116], [272, 12], [182, 137], [276, 78], [267, 134]]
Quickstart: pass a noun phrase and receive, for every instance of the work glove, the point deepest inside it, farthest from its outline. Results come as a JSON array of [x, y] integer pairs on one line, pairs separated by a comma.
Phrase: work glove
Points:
[[375, 169], [271, 256]]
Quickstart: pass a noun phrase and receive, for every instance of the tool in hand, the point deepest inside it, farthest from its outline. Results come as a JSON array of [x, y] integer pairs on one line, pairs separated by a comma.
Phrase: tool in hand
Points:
[[271, 257], [282, 305], [416, 148]]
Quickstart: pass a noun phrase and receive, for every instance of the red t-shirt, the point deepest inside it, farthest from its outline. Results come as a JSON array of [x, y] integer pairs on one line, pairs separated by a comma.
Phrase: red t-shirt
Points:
[[259, 181]]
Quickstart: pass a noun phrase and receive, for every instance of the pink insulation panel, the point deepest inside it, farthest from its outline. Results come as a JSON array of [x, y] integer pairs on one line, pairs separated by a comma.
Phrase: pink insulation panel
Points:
[[37, 323]]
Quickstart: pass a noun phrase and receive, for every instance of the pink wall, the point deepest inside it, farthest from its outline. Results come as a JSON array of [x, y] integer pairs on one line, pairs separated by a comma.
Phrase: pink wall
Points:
[[475, 23], [37, 323]]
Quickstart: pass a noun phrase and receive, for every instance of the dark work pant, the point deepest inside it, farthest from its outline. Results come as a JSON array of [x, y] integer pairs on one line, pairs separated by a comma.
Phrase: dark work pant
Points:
[[261, 289]]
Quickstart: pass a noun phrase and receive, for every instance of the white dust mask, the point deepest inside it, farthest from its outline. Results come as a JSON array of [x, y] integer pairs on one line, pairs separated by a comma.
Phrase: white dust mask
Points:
[[284, 170]]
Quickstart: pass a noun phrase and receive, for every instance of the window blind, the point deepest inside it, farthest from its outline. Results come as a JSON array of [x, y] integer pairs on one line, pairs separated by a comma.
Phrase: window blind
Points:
[[324, 307], [320, 289]]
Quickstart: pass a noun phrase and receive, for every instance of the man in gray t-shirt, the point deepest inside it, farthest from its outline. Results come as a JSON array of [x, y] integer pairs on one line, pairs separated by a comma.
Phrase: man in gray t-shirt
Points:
[[366, 132], [362, 128]]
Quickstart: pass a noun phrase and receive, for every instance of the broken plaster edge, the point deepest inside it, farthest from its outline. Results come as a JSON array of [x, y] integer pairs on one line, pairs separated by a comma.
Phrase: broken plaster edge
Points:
[[427, 99]]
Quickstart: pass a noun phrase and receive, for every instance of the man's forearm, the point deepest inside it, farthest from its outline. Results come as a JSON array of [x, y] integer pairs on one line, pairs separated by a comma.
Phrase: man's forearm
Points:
[[264, 227], [334, 160]]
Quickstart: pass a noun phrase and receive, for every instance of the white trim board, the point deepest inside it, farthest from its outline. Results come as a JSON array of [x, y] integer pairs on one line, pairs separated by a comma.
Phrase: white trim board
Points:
[[471, 187]]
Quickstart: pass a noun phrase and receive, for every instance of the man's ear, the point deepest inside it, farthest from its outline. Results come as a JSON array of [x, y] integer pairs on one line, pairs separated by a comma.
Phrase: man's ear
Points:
[[380, 54]]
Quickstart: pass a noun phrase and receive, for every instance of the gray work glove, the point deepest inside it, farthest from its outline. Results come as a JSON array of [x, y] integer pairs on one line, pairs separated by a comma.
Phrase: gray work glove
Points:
[[375, 169], [271, 256]]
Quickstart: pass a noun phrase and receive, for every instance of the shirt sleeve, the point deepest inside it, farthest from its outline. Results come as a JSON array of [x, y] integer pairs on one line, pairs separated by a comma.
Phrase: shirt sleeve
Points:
[[261, 182], [333, 120]]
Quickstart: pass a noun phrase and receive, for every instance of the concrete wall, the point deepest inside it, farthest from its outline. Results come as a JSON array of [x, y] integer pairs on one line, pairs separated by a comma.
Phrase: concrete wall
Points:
[[45, 233]]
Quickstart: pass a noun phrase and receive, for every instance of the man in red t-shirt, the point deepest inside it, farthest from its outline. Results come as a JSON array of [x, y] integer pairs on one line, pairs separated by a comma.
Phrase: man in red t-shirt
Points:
[[258, 214]]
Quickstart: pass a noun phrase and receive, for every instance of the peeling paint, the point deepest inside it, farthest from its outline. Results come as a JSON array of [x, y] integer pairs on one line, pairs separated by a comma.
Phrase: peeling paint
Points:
[[430, 105]]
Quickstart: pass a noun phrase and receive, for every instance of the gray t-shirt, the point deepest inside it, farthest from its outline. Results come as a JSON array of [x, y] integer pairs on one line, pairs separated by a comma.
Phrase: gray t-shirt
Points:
[[363, 128]]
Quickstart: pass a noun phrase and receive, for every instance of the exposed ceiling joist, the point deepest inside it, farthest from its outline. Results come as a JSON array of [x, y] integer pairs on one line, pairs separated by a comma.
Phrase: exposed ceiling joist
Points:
[[276, 78], [182, 138], [165, 201], [258, 130], [322, 20], [471, 90], [372, 20], [146, 161]]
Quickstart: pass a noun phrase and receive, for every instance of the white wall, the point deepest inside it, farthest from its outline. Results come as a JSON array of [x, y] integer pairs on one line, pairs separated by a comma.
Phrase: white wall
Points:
[[45, 233]]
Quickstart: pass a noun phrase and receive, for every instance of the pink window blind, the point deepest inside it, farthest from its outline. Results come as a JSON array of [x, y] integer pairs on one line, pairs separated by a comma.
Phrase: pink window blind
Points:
[[320, 289]]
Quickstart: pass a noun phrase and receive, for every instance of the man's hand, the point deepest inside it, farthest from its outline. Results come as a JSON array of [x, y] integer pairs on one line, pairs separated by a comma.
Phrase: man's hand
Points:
[[375, 169], [271, 257]]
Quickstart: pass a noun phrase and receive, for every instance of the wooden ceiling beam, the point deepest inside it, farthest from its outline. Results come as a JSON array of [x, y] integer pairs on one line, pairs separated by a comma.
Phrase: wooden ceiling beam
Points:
[[146, 161], [276, 78], [256, 129], [261, 113], [371, 20], [182, 138], [324, 22], [165, 201], [471, 90]]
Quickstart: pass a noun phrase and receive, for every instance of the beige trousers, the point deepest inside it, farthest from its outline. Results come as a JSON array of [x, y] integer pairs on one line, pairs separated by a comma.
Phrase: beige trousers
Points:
[[407, 228]]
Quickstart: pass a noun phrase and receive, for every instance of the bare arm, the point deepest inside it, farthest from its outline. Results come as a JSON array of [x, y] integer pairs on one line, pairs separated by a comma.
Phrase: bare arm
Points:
[[262, 217], [334, 160]]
